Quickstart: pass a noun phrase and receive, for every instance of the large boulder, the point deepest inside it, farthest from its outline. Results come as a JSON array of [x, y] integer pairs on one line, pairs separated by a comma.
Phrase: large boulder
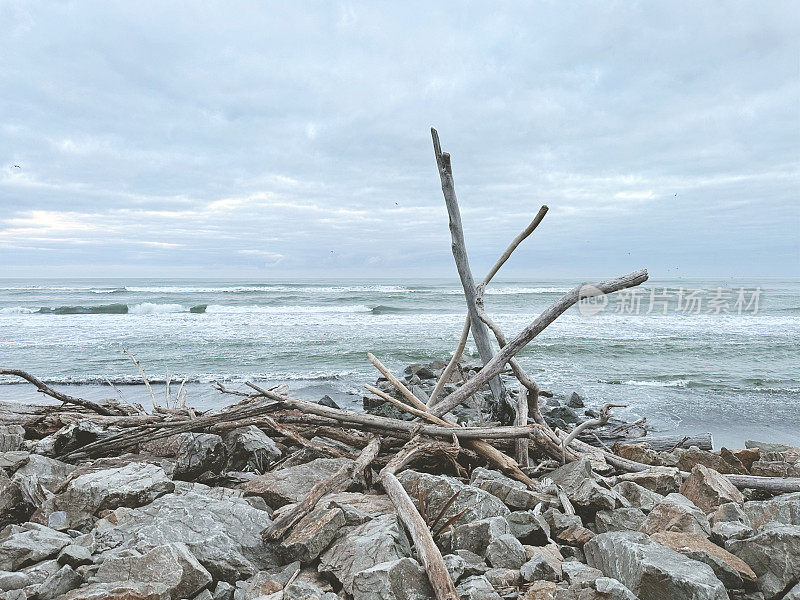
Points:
[[652, 571], [783, 509], [51, 473], [171, 564], [773, 553], [28, 544], [199, 453], [399, 579], [476, 536], [677, 513], [224, 535], [476, 587], [380, 540], [587, 492], [505, 551], [291, 484], [437, 490], [514, 494], [621, 519], [313, 534], [59, 583], [250, 449], [638, 496], [732, 571], [133, 485], [723, 462], [529, 527], [661, 480], [708, 489]]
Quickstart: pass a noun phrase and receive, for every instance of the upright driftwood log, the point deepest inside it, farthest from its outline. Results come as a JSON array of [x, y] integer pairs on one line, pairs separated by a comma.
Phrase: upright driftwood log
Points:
[[479, 331]]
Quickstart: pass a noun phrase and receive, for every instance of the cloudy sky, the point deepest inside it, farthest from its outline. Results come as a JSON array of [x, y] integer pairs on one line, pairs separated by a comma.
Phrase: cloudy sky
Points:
[[253, 139]]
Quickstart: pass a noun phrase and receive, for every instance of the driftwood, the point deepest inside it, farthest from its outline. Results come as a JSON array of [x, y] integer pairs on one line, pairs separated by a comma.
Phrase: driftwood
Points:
[[496, 365], [479, 331], [339, 481], [47, 390], [521, 444], [428, 552]]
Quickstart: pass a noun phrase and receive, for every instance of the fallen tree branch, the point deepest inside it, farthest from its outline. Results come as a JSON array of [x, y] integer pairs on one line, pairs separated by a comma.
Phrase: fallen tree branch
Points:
[[496, 365], [48, 391]]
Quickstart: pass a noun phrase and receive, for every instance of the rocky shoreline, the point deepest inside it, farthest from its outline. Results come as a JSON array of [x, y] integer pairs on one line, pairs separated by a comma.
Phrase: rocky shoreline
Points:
[[193, 515]]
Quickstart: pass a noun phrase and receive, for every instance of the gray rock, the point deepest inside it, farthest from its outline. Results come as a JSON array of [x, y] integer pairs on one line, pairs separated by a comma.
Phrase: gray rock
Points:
[[575, 400], [50, 472], [538, 568], [13, 508], [662, 480], [473, 563], [505, 551], [437, 490], [381, 540], [793, 594], [621, 519], [13, 580], [61, 582], [172, 565], [730, 513], [600, 588], [313, 534], [513, 494], [529, 527], [638, 496], [199, 453], [563, 413], [455, 564], [11, 437], [783, 509], [40, 571], [773, 553], [584, 489], [327, 401], [557, 521], [575, 572], [503, 578], [13, 460], [476, 587], [305, 590], [69, 438], [31, 543], [75, 556], [677, 513], [204, 595], [128, 590], [223, 591], [250, 449], [224, 535], [291, 484], [477, 535], [399, 579], [133, 485], [650, 570]]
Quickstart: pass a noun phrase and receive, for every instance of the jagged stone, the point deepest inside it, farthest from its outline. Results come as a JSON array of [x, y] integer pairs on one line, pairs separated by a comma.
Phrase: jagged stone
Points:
[[476, 587], [313, 534], [661, 480], [575, 572], [650, 570], [724, 462], [13, 580], [529, 527], [28, 544], [172, 565], [601, 588], [793, 594], [51, 473], [538, 568], [783, 509], [456, 565], [576, 535], [503, 578], [135, 484], [69, 438], [437, 490], [60, 582], [513, 494], [708, 489], [732, 571], [473, 563], [775, 468], [12, 460], [250, 449], [120, 591], [638, 452], [75, 556], [223, 591], [677, 513], [13, 508], [638, 496], [584, 489], [621, 519], [292, 484], [224, 535], [505, 551], [477, 535], [730, 512], [380, 540], [303, 590], [773, 553], [199, 453], [558, 521], [11, 437]]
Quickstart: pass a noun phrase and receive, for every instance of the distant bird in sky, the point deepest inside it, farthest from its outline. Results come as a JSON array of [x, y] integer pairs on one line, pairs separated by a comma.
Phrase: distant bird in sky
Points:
[[16, 167]]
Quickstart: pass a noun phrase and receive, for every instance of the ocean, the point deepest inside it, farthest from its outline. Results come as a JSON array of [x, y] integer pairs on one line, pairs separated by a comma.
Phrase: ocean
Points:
[[689, 355]]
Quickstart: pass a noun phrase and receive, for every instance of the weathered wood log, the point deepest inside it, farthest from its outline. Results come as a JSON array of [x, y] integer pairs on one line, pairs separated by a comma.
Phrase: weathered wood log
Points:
[[496, 365], [339, 481], [46, 389], [480, 334], [521, 444], [665, 443], [427, 551]]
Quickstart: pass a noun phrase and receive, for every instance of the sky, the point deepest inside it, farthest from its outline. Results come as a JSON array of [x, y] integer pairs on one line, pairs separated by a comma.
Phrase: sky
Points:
[[284, 139]]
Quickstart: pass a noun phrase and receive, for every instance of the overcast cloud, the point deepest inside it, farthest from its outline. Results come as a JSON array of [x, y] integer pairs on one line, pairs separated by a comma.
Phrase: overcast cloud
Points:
[[292, 139]]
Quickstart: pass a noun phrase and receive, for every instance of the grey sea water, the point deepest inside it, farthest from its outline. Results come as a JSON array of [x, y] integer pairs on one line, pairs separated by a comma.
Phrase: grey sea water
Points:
[[690, 355]]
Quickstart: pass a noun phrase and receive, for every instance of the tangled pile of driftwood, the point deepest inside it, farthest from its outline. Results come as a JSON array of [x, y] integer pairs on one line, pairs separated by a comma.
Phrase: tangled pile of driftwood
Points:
[[519, 443]]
